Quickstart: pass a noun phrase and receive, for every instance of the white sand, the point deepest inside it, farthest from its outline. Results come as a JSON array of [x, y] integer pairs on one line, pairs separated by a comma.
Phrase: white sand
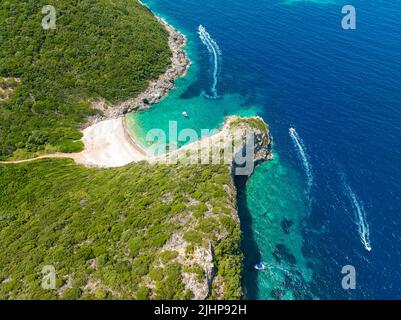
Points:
[[108, 145]]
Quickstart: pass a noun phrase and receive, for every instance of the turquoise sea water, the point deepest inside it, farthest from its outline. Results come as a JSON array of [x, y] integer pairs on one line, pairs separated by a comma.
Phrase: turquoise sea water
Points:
[[272, 209], [331, 196], [280, 201], [203, 112]]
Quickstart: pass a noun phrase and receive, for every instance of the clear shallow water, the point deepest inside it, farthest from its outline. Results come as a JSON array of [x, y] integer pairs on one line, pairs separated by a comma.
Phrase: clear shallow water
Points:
[[272, 208], [191, 94], [290, 62]]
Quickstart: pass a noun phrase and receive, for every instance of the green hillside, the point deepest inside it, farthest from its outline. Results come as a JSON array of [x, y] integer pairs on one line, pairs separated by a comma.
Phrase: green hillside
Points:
[[137, 232], [100, 48], [104, 230]]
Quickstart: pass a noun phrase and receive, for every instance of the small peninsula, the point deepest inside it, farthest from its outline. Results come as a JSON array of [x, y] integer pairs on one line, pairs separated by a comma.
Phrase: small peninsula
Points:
[[79, 194]]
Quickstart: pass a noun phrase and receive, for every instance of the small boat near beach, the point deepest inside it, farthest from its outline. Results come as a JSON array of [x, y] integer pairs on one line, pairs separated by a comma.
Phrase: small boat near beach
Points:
[[261, 266], [185, 114]]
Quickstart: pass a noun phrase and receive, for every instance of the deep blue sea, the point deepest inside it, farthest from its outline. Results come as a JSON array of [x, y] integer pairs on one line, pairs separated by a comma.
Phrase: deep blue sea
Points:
[[332, 196]]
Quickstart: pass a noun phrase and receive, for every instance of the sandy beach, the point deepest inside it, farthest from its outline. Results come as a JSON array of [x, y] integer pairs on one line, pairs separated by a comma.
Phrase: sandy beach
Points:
[[107, 140], [107, 145]]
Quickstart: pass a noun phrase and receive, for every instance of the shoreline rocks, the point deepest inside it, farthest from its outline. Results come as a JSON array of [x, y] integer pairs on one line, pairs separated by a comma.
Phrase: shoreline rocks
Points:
[[157, 89], [229, 145]]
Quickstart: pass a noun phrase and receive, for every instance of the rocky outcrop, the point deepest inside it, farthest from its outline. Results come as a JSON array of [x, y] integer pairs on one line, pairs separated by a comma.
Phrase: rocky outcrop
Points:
[[200, 289], [157, 89], [237, 132], [241, 142], [256, 129], [201, 257], [7, 86]]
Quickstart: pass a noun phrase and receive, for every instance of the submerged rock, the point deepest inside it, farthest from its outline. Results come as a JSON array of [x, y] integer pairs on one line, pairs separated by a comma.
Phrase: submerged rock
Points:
[[286, 224], [277, 293], [282, 253]]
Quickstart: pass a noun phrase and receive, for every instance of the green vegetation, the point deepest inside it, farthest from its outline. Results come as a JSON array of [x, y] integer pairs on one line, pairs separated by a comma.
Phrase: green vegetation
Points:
[[7, 86], [100, 48], [167, 256], [109, 233], [171, 286], [253, 122], [104, 230], [229, 259], [197, 270]]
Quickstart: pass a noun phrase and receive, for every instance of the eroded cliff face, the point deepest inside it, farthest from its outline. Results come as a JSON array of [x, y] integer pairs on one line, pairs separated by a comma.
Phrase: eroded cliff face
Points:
[[174, 231], [197, 266], [240, 143], [251, 139], [256, 140], [206, 266]]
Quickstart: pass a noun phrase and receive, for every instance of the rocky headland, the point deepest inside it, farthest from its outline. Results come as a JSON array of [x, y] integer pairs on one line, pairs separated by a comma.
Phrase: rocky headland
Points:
[[156, 90]]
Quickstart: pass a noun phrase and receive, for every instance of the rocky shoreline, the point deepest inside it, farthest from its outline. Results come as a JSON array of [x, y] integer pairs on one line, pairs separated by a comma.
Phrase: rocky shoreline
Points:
[[157, 89], [233, 126]]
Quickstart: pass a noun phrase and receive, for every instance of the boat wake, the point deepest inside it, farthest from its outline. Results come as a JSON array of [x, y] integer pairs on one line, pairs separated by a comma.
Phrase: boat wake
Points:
[[299, 144], [360, 215], [215, 55]]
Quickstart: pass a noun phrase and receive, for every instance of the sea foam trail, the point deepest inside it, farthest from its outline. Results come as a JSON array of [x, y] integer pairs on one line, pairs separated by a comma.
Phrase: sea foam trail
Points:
[[299, 144], [360, 214], [215, 53]]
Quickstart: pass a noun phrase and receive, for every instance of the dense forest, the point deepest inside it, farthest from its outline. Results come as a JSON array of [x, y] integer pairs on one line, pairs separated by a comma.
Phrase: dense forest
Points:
[[105, 230], [100, 48], [136, 232]]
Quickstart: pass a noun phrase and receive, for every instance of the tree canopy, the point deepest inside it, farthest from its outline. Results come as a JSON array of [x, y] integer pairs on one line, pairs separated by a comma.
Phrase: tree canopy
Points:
[[100, 48], [104, 230]]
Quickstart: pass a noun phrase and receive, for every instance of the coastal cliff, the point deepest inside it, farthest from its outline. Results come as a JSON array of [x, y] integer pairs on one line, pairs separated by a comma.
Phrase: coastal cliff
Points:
[[172, 232], [228, 144], [139, 228], [206, 273], [156, 89], [50, 101]]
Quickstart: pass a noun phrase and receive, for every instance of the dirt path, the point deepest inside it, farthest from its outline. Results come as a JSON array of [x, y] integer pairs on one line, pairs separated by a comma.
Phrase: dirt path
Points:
[[107, 144], [46, 156]]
